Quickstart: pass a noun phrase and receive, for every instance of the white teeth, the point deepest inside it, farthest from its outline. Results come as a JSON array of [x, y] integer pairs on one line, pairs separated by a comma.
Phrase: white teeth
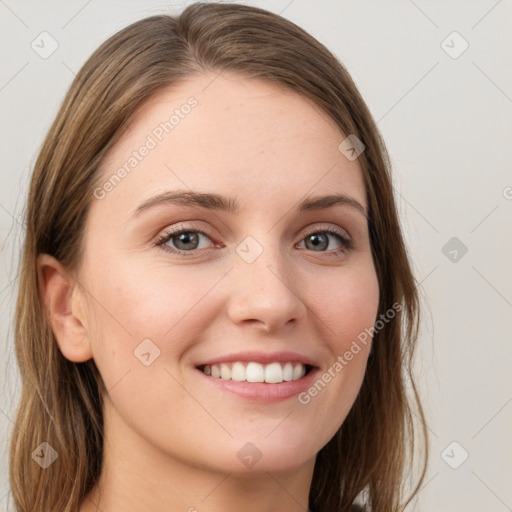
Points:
[[238, 372], [298, 372], [272, 373], [255, 372], [288, 372], [225, 372]]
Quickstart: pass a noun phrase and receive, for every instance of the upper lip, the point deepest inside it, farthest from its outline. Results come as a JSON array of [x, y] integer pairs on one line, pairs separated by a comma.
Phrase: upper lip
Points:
[[261, 357]]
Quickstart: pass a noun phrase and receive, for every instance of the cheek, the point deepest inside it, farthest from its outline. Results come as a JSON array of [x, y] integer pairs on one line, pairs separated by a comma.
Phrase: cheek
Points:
[[160, 311], [347, 306], [347, 303]]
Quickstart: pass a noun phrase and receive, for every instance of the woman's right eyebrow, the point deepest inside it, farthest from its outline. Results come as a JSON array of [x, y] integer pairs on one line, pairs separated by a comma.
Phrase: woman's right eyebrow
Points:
[[189, 198], [212, 201]]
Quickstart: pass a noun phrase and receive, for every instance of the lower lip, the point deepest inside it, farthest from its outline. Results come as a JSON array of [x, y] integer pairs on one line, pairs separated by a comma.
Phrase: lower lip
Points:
[[263, 391]]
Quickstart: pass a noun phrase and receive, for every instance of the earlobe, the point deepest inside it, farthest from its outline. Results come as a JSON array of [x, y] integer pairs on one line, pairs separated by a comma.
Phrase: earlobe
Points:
[[60, 296]]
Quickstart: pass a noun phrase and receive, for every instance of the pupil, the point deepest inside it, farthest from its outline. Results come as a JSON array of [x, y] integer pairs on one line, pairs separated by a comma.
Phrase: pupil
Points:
[[187, 237], [317, 240]]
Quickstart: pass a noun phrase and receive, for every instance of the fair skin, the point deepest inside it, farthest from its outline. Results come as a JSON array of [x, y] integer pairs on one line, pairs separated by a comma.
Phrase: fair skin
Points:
[[173, 437]]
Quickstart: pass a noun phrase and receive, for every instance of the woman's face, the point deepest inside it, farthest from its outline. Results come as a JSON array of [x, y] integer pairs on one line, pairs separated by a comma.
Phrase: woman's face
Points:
[[259, 278]]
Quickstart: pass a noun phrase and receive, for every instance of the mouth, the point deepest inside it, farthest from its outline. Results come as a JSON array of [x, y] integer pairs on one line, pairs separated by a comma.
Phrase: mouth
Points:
[[276, 372], [259, 376]]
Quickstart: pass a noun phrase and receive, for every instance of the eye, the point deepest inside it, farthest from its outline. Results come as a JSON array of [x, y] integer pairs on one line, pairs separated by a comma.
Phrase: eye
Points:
[[319, 239], [184, 241]]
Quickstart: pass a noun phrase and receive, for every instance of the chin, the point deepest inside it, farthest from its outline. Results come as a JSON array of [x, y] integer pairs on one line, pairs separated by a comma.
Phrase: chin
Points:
[[277, 453]]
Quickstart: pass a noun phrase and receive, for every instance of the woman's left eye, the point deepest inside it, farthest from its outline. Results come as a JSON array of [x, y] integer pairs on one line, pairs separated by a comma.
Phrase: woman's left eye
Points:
[[185, 241], [320, 238]]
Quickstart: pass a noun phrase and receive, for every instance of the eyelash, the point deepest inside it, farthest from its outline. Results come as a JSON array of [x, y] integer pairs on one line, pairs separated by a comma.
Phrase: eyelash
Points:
[[346, 244]]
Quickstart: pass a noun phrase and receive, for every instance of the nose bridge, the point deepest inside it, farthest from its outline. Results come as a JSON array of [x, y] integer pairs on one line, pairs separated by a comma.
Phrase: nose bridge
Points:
[[264, 290]]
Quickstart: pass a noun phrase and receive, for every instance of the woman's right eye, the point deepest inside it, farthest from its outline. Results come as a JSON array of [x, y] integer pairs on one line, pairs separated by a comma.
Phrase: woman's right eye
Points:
[[184, 240]]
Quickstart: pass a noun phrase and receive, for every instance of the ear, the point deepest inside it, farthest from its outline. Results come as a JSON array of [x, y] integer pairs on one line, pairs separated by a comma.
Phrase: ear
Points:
[[63, 302]]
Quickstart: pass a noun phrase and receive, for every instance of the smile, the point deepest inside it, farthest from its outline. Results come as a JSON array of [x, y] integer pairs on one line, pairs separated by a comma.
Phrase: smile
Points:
[[272, 373]]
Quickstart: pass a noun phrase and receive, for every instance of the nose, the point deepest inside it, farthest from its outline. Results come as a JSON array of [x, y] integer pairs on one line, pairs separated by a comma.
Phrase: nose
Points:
[[264, 294]]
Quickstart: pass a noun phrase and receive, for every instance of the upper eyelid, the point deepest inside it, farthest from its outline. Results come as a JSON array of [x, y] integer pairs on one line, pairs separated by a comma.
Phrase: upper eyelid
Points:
[[313, 229]]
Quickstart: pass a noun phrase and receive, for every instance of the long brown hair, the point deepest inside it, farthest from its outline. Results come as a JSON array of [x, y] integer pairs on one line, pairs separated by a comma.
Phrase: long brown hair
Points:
[[61, 401]]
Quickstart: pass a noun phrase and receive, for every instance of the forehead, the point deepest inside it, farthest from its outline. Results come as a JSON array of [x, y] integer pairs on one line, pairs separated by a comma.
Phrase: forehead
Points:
[[252, 139]]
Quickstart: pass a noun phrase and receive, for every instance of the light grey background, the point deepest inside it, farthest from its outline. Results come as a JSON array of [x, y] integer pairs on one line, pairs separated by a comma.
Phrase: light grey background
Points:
[[447, 121]]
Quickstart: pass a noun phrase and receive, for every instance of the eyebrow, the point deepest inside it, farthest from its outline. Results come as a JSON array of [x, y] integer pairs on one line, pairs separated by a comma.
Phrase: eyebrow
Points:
[[217, 202]]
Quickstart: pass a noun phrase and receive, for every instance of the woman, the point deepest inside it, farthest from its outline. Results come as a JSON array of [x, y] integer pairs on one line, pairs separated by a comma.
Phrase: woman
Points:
[[264, 366]]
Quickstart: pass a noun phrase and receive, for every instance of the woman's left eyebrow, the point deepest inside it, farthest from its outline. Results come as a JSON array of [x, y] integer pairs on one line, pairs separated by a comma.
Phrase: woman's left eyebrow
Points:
[[323, 202], [218, 202]]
